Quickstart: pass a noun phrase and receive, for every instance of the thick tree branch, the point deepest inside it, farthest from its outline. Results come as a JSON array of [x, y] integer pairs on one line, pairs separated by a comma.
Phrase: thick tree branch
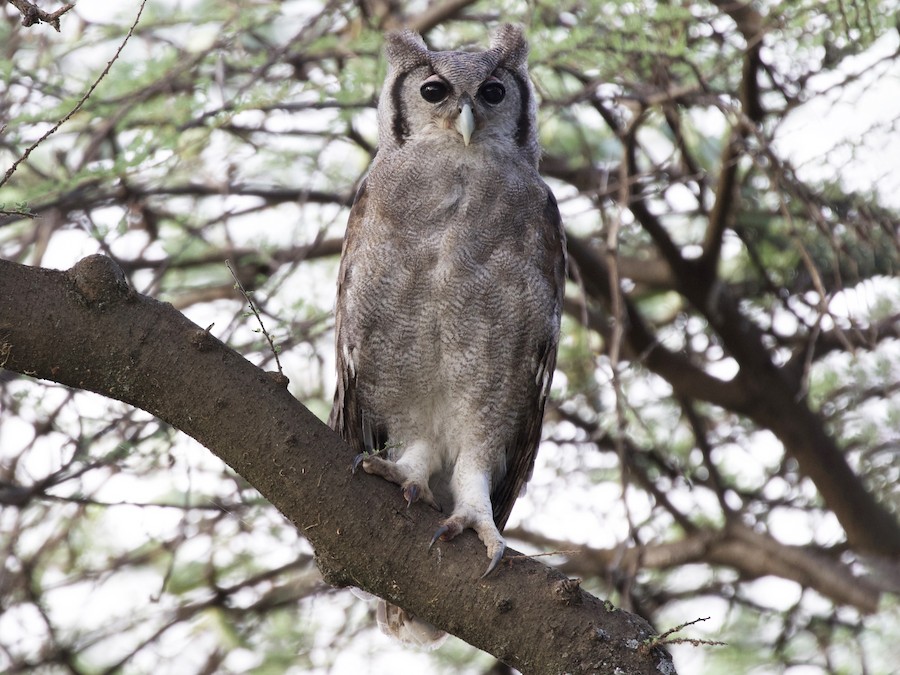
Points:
[[769, 395], [723, 209], [640, 342], [751, 553], [86, 329], [778, 404]]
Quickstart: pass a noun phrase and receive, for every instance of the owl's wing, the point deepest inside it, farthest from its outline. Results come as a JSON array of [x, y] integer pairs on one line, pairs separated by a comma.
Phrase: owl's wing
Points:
[[520, 454], [347, 416]]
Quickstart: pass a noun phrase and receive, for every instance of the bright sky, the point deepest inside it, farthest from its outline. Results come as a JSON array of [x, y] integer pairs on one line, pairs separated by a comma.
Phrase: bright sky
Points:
[[853, 129]]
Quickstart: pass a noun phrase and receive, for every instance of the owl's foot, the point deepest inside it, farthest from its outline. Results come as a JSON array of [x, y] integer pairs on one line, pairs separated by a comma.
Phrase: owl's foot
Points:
[[357, 461], [413, 490], [486, 530]]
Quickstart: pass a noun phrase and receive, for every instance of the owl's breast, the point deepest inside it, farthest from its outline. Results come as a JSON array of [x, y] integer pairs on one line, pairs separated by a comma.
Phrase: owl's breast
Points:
[[447, 294]]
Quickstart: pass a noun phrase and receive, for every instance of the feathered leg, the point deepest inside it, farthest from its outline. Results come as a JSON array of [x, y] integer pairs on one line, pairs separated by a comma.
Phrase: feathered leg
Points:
[[472, 508], [411, 471]]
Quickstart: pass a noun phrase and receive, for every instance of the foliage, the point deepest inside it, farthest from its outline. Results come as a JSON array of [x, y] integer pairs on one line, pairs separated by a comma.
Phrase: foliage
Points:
[[238, 129]]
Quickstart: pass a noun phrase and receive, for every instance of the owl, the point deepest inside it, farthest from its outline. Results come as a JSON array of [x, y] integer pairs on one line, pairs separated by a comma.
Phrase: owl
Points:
[[450, 289]]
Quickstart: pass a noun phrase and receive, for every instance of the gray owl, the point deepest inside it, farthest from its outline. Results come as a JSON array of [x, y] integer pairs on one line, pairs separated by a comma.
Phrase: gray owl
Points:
[[450, 288]]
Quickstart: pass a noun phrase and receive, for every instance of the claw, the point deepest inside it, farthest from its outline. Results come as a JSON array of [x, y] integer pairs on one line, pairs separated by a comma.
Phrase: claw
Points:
[[411, 493], [442, 530], [357, 461], [495, 560]]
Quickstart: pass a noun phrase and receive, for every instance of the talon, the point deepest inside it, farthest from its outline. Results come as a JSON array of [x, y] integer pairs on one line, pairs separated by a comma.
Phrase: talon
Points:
[[442, 530], [411, 493], [356, 462], [495, 560]]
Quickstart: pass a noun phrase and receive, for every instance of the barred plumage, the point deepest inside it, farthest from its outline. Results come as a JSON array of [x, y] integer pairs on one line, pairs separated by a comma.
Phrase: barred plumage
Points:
[[450, 287]]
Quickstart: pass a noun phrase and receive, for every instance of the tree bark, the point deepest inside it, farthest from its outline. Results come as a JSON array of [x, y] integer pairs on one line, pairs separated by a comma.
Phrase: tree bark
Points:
[[85, 328]]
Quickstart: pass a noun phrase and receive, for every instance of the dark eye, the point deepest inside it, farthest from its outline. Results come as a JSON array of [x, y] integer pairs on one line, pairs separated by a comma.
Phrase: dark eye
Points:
[[493, 92], [434, 91]]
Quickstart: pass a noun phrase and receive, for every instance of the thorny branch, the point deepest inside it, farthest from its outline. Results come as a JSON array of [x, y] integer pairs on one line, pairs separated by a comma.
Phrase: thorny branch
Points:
[[32, 14], [12, 169]]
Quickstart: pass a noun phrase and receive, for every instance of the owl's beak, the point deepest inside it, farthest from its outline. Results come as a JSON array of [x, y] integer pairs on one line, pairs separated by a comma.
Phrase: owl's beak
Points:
[[465, 123]]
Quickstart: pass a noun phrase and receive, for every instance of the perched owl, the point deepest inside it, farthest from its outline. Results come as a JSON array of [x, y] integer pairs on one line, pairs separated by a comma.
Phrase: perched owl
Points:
[[450, 288]]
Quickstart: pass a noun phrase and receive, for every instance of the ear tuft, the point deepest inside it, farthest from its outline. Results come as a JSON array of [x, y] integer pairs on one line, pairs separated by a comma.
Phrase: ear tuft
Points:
[[509, 40], [405, 49]]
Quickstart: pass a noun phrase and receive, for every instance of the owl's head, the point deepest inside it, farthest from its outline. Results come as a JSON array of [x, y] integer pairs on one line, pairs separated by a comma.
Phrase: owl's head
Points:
[[463, 97]]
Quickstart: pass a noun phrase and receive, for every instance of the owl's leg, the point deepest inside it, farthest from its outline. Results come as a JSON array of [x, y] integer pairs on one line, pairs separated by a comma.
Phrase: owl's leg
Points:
[[411, 471], [472, 508]]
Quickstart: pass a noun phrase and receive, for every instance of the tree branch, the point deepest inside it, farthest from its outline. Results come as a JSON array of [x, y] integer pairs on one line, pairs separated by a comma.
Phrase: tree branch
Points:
[[777, 403], [685, 377], [723, 209], [820, 344], [436, 14], [86, 329], [32, 14], [767, 394], [81, 101], [736, 546]]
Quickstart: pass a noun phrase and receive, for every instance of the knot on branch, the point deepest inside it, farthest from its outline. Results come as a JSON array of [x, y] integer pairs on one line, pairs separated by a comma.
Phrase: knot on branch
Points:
[[203, 339], [32, 14], [504, 605], [99, 280], [568, 591], [278, 378], [333, 572]]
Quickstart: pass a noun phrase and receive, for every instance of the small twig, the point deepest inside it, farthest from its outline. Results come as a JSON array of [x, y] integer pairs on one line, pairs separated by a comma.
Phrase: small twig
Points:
[[665, 639], [680, 627], [542, 555], [12, 169], [617, 309], [5, 351], [23, 212], [239, 286], [32, 14]]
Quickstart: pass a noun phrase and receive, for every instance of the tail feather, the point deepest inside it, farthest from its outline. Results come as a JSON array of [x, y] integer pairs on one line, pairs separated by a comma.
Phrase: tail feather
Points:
[[410, 630]]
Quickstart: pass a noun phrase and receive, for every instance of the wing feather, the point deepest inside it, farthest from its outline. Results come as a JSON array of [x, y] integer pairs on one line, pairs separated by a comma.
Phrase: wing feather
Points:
[[347, 416], [521, 453]]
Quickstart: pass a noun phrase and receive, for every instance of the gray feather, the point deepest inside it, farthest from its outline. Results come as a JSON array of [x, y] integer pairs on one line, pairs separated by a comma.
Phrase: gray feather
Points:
[[450, 287]]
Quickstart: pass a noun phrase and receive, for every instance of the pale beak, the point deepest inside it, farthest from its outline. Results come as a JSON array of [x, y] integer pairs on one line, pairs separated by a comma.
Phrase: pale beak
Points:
[[465, 123]]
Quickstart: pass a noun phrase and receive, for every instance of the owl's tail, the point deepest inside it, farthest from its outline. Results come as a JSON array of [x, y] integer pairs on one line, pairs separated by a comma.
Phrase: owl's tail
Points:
[[410, 630]]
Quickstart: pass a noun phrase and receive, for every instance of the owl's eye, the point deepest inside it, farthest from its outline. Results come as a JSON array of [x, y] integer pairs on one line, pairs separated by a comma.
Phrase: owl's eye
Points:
[[492, 92], [434, 91]]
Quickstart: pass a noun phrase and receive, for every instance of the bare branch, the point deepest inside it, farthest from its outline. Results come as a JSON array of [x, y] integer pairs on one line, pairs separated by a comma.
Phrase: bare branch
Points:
[[436, 14], [736, 546], [641, 344], [81, 101], [723, 210], [32, 14]]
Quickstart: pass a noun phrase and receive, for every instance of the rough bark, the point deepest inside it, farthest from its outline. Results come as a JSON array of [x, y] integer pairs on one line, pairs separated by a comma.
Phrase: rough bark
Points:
[[85, 328]]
